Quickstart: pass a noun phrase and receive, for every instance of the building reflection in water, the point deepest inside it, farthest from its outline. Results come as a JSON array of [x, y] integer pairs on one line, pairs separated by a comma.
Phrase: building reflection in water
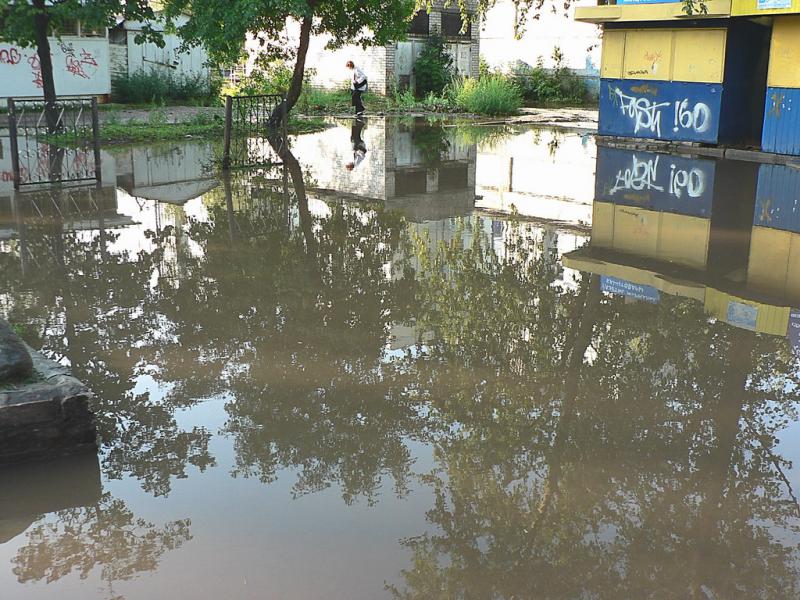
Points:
[[436, 374], [722, 232]]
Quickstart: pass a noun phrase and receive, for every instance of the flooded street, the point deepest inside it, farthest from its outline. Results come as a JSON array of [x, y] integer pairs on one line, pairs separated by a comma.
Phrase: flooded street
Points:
[[422, 360]]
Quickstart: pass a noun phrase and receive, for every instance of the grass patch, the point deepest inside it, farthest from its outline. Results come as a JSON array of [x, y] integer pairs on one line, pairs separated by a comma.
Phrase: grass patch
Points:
[[160, 87], [492, 95], [157, 128]]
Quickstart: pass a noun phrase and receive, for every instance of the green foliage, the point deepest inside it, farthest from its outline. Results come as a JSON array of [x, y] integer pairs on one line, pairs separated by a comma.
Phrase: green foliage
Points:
[[493, 95], [484, 70], [433, 69], [694, 7], [160, 87], [17, 23], [221, 26], [559, 85]]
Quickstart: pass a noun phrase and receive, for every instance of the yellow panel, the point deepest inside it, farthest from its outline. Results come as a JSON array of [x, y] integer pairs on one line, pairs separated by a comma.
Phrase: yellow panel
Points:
[[769, 260], [772, 319], [793, 272], [699, 55], [603, 225], [630, 13], [648, 54], [613, 51], [750, 7], [684, 240], [784, 54], [636, 230]]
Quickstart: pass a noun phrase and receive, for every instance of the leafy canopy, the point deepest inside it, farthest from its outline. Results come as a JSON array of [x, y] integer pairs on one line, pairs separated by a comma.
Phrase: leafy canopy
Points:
[[17, 19], [221, 26]]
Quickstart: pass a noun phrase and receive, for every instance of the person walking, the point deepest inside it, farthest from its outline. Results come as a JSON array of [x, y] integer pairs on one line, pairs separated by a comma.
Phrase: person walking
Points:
[[358, 85]]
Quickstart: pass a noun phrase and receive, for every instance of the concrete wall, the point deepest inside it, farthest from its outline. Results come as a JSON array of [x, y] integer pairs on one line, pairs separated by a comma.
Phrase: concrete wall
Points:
[[169, 59], [579, 42], [80, 67]]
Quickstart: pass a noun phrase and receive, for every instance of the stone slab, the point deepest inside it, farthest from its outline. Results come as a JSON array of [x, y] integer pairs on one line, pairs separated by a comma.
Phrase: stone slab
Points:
[[46, 417]]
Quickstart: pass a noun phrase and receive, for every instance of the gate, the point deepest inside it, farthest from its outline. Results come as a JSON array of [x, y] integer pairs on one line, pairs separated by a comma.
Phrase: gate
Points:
[[54, 143], [255, 131]]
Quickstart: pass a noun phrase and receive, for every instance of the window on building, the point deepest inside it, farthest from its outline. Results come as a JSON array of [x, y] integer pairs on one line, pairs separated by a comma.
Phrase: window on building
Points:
[[452, 24], [420, 24]]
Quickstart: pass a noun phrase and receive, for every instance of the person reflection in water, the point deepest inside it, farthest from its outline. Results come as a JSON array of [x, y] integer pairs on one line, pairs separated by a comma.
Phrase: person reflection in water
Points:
[[359, 147]]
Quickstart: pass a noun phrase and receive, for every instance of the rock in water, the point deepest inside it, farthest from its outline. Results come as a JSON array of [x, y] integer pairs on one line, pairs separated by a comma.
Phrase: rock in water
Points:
[[15, 362]]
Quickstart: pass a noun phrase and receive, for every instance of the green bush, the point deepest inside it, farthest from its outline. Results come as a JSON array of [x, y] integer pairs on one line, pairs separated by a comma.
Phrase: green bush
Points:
[[160, 87], [433, 69], [559, 85], [492, 95]]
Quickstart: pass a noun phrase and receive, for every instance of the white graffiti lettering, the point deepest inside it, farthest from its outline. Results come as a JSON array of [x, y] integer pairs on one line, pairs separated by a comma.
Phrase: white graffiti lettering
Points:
[[646, 113], [692, 181], [698, 118], [642, 175]]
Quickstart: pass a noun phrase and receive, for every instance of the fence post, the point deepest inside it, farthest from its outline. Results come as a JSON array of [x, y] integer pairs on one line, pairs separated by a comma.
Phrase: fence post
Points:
[[98, 174], [285, 124], [12, 132], [226, 152]]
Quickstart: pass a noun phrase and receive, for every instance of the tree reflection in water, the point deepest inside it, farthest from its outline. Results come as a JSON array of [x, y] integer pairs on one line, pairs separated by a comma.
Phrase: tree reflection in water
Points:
[[584, 446], [631, 453], [106, 536]]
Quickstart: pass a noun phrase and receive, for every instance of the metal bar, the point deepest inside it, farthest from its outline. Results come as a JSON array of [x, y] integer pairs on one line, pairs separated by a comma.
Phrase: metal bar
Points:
[[226, 152], [12, 132], [96, 140]]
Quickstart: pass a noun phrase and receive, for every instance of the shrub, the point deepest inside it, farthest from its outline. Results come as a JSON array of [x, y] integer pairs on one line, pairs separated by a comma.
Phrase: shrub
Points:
[[433, 69], [559, 85], [159, 87], [492, 95]]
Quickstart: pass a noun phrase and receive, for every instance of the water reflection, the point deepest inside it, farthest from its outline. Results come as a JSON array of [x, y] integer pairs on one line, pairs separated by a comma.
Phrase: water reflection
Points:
[[360, 342]]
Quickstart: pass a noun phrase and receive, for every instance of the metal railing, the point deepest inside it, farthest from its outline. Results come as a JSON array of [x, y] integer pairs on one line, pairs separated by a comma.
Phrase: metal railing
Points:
[[56, 142], [255, 130]]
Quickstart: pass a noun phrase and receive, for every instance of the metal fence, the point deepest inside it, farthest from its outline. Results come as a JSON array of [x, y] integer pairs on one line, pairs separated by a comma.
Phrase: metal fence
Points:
[[255, 131], [56, 142]]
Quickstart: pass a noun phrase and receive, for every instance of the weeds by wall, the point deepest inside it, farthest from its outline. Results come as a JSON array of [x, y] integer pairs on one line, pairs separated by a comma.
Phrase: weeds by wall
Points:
[[160, 87]]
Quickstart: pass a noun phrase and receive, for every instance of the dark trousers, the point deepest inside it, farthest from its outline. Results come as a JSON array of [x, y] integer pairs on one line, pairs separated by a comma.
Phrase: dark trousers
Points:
[[355, 96]]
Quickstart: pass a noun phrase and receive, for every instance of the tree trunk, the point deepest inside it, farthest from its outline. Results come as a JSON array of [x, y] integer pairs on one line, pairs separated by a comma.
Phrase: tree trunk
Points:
[[41, 22], [296, 87]]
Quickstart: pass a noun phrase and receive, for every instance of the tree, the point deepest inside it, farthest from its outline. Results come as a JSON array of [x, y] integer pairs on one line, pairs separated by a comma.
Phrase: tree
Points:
[[221, 27], [29, 23]]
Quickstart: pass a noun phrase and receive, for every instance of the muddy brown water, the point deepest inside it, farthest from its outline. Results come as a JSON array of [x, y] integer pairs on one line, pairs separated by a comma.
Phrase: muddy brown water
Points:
[[423, 361]]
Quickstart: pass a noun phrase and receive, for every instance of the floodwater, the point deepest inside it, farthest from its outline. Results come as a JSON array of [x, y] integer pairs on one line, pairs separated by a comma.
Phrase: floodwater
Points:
[[420, 361]]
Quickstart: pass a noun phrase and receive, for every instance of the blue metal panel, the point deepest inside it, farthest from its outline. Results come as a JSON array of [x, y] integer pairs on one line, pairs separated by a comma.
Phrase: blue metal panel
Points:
[[794, 329], [781, 132], [614, 285], [665, 182], [742, 315], [663, 110], [778, 198]]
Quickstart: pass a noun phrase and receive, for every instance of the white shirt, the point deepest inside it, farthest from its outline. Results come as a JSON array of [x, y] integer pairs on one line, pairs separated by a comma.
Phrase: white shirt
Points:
[[358, 77]]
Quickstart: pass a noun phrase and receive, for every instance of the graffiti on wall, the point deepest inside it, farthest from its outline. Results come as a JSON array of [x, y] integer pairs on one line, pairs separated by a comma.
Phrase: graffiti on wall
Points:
[[655, 181], [674, 111], [79, 67]]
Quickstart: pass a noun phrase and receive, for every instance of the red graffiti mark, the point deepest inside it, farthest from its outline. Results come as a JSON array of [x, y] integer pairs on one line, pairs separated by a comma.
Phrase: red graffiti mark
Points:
[[36, 70], [76, 66], [10, 56], [87, 58]]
